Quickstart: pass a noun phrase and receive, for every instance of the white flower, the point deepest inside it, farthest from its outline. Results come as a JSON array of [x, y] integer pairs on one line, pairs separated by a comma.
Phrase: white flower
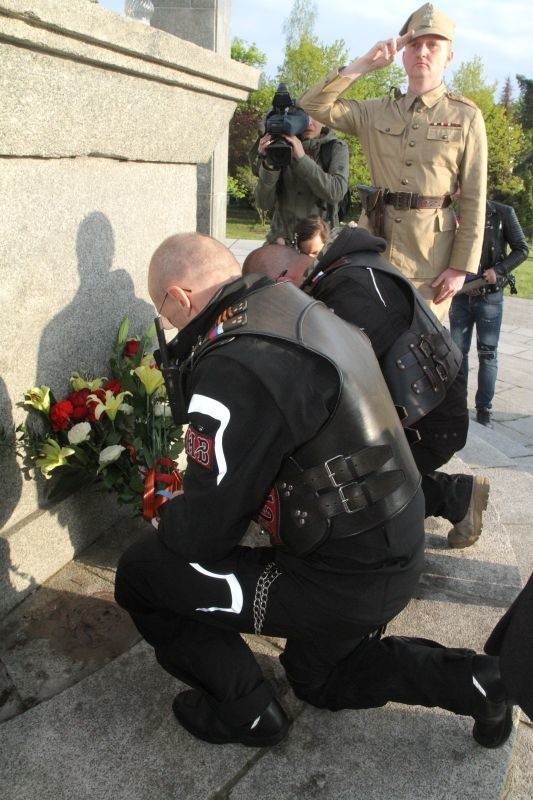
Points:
[[162, 410], [126, 408], [110, 454], [79, 433]]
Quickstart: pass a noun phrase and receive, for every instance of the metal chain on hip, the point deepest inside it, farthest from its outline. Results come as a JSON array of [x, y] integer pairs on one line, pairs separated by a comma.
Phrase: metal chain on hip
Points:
[[264, 582]]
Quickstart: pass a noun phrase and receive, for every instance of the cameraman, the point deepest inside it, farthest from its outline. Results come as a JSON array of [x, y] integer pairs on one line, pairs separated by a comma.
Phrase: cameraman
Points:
[[304, 187]]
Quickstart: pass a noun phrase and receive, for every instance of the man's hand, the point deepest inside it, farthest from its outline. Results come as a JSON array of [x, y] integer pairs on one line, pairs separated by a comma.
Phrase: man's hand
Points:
[[450, 282], [490, 275], [298, 151], [379, 56], [264, 141]]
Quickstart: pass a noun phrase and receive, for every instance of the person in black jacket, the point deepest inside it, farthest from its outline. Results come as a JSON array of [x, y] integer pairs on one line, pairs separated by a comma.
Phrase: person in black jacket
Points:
[[482, 307], [286, 425], [353, 279]]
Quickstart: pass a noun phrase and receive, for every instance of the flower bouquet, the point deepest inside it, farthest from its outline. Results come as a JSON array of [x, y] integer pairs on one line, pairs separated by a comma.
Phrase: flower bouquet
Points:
[[117, 431]]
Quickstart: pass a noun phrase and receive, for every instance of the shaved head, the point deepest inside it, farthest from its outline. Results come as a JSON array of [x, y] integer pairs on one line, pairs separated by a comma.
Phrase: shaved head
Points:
[[273, 260], [190, 258], [190, 264]]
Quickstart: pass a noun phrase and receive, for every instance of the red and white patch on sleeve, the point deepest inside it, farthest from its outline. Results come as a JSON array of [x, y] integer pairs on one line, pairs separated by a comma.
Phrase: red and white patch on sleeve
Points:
[[199, 447], [268, 517]]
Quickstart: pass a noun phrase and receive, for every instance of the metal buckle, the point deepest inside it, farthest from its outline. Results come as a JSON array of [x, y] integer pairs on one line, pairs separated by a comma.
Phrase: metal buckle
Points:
[[331, 472], [425, 347], [403, 201], [441, 372], [345, 500]]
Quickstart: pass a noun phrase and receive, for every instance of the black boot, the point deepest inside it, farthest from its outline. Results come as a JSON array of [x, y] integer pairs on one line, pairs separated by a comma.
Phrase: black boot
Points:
[[196, 715], [483, 416], [493, 715]]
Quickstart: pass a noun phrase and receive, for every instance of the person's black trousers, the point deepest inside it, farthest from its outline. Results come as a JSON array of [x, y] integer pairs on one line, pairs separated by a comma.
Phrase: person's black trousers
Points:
[[192, 615]]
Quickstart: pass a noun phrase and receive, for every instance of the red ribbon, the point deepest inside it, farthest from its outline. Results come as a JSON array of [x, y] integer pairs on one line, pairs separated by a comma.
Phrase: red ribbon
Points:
[[154, 498]]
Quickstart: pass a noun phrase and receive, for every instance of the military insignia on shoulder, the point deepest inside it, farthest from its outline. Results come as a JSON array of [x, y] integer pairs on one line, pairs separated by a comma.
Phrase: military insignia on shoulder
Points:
[[231, 318]]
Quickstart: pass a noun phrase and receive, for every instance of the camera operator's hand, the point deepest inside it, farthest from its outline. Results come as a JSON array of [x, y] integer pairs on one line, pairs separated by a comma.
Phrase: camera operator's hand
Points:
[[298, 151], [264, 141]]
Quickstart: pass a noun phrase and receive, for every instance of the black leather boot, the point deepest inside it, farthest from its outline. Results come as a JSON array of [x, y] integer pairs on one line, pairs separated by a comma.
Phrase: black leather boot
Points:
[[195, 714], [493, 714]]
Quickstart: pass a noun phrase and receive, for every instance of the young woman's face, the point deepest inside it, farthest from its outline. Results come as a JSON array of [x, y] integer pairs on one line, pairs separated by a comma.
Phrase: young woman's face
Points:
[[311, 247]]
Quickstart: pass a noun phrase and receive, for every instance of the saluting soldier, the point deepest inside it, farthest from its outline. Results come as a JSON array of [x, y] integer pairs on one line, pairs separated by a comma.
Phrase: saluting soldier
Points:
[[419, 147]]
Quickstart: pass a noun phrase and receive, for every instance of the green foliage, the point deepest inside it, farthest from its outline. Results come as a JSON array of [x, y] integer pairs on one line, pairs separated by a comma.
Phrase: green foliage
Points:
[[525, 102], [505, 137], [308, 61], [241, 187], [469, 81], [247, 54], [300, 23]]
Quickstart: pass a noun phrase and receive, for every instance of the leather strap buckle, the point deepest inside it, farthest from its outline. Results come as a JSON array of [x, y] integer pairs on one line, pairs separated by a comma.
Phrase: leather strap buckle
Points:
[[402, 201], [356, 495], [330, 472]]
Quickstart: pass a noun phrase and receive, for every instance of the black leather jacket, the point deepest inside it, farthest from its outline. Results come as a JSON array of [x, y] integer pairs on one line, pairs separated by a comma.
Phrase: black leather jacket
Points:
[[502, 229]]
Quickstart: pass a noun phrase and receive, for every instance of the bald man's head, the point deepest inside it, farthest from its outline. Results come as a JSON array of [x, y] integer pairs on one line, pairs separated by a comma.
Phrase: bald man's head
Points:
[[275, 260], [190, 266]]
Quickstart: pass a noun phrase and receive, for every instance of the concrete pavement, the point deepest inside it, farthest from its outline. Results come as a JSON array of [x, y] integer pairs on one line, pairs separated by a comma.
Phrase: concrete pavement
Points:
[[86, 708]]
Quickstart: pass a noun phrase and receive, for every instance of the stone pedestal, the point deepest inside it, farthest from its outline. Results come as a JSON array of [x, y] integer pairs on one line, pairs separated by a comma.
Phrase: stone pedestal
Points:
[[206, 23], [104, 121]]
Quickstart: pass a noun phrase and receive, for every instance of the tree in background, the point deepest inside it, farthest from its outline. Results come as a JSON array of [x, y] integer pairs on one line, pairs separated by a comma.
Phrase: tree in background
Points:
[[523, 201], [307, 60], [504, 133], [245, 124]]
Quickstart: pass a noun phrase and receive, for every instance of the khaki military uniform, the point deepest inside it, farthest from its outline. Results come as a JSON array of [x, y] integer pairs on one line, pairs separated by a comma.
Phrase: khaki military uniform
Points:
[[427, 144]]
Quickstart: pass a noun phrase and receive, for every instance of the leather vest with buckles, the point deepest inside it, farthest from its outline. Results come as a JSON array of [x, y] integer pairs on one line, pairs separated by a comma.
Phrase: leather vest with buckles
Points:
[[424, 361], [358, 471]]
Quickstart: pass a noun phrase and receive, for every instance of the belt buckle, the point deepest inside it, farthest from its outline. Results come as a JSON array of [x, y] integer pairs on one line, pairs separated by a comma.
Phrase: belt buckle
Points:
[[403, 201], [331, 472], [346, 501]]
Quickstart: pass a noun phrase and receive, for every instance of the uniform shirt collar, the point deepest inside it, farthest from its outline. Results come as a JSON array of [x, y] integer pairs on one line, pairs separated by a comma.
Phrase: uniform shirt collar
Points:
[[429, 99]]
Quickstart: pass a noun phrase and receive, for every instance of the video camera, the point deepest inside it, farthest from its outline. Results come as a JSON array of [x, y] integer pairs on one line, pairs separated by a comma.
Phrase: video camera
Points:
[[285, 118]]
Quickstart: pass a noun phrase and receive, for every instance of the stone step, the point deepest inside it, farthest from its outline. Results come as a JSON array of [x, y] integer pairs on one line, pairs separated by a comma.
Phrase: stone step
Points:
[[98, 724]]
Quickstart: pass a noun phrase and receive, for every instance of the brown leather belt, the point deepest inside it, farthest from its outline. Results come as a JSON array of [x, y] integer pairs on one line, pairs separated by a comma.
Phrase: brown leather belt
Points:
[[403, 201]]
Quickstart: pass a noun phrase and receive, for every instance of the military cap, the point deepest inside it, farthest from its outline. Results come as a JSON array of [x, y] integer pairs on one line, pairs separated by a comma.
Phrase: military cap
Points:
[[429, 21]]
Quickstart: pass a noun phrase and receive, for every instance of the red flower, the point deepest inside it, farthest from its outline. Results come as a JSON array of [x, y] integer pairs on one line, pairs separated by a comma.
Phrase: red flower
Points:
[[79, 403], [113, 385], [91, 404], [60, 415], [131, 347]]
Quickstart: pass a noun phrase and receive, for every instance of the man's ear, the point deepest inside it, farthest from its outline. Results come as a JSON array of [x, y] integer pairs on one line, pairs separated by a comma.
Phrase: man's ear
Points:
[[181, 297], [450, 56]]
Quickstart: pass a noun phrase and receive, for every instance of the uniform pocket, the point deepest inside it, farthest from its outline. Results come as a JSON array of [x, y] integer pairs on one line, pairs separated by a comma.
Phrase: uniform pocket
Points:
[[444, 145]]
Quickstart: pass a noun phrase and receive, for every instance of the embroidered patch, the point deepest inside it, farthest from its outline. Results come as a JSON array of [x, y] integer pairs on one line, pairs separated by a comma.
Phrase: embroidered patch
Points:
[[199, 447], [268, 517]]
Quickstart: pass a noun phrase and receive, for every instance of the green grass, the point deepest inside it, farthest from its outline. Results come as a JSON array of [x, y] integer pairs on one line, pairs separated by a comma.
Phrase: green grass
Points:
[[524, 278], [243, 223]]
